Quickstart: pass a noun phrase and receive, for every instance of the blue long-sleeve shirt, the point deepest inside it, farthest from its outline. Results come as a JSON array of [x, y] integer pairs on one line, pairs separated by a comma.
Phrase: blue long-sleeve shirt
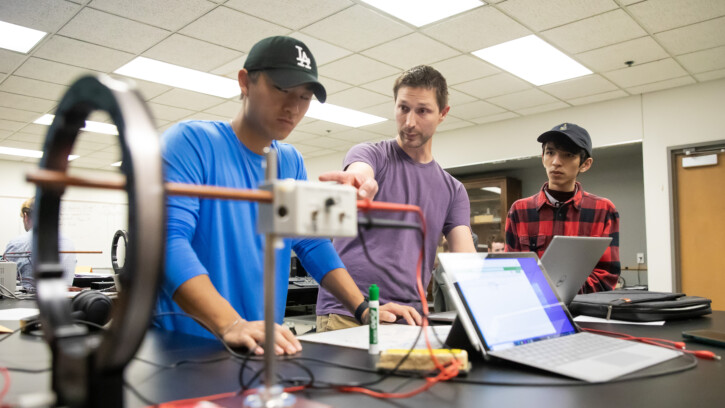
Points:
[[219, 237]]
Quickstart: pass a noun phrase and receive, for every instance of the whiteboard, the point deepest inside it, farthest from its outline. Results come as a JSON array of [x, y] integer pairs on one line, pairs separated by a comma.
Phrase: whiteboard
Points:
[[90, 225]]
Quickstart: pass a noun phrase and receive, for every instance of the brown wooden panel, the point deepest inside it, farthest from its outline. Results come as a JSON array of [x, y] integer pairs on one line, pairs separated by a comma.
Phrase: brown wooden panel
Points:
[[701, 222]]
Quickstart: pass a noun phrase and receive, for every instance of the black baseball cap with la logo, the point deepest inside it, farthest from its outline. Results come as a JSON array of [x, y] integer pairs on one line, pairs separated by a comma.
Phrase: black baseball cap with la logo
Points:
[[288, 63], [577, 134]]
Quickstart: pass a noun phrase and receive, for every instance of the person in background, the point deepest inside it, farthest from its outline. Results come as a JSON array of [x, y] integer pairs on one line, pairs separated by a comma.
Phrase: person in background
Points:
[[214, 254], [496, 243], [562, 207], [19, 250], [401, 170]]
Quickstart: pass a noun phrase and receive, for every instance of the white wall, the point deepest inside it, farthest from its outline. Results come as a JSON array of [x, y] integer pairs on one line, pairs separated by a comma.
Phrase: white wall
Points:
[[673, 117], [89, 217]]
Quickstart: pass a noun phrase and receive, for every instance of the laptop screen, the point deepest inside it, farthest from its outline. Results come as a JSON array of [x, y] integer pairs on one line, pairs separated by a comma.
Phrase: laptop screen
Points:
[[510, 301]]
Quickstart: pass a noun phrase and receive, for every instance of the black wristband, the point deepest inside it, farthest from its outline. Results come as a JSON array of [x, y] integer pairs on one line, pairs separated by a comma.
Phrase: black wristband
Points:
[[360, 310]]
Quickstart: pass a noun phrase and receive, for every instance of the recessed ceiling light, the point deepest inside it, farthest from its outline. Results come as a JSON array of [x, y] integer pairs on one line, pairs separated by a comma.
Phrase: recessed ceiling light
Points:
[[533, 59], [340, 115], [91, 126], [18, 38], [36, 154], [422, 12], [179, 77]]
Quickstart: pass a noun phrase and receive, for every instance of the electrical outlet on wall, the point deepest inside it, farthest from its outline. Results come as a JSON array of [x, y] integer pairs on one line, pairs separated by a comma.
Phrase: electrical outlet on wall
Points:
[[640, 257]]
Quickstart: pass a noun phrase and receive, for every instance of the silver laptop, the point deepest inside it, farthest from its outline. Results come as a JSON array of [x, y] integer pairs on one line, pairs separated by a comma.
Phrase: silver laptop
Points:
[[570, 260], [508, 309]]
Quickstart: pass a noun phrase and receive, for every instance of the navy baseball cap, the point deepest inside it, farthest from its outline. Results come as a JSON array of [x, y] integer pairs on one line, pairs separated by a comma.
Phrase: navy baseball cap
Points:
[[577, 134], [288, 63]]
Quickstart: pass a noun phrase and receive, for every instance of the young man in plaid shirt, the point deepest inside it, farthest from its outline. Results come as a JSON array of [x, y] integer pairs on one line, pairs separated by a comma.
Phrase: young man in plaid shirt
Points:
[[562, 207]]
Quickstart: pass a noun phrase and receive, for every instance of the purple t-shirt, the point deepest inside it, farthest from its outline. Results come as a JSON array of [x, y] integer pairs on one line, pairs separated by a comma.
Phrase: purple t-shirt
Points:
[[444, 202]]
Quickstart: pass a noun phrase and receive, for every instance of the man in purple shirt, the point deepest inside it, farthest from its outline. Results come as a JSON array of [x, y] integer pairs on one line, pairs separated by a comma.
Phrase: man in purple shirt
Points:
[[400, 170]]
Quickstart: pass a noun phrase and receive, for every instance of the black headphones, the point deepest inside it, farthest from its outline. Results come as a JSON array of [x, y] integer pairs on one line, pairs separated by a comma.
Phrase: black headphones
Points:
[[91, 306], [114, 247]]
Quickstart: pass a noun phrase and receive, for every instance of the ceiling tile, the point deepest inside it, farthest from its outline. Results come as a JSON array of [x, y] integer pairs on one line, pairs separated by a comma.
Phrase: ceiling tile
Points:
[[181, 98], [355, 136], [493, 85], [456, 98], [321, 127], [318, 153], [9, 60], [541, 15], [464, 68], [231, 68], [328, 142], [384, 110], [43, 15], [291, 14], [17, 114], [27, 137], [82, 54], [357, 98], [191, 53], [357, 69], [148, 90], [477, 29], [640, 50], [332, 86], [496, 118], [662, 15], [357, 28], [475, 110], [168, 14], [32, 87], [598, 98], [232, 29], [383, 86], [24, 144], [658, 86], [35, 129], [705, 60], [165, 112], [296, 136], [578, 87], [452, 123], [112, 31], [323, 51], [646, 73], [27, 103], [207, 116], [708, 76], [411, 50], [229, 109], [594, 32], [387, 129], [694, 37], [303, 148], [543, 108], [51, 71], [524, 99]]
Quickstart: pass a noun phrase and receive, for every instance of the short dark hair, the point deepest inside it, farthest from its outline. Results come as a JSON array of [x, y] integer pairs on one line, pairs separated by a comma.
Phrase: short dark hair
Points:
[[423, 76], [495, 238], [253, 78], [565, 144]]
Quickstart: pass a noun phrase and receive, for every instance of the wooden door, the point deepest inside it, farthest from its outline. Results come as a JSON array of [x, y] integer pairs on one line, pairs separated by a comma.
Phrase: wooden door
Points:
[[701, 229]]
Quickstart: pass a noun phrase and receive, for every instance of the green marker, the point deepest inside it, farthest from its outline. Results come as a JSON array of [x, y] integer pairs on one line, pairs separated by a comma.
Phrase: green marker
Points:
[[374, 305]]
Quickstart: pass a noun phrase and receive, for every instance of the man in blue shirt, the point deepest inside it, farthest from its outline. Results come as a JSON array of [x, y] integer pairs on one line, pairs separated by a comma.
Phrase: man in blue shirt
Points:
[[214, 254]]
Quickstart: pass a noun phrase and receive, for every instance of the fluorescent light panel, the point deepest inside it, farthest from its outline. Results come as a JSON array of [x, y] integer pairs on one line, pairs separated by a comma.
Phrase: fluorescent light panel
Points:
[[422, 12], [533, 60], [179, 77], [36, 154], [91, 126], [340, 115], [18, 38]]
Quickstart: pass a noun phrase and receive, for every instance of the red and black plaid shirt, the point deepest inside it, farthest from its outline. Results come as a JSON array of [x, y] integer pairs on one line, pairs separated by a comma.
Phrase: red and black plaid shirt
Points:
[[532, 223]]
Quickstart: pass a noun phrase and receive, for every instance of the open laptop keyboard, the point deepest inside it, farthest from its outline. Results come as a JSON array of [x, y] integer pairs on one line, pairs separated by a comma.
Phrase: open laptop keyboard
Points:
[[562, 350], [303, 282]]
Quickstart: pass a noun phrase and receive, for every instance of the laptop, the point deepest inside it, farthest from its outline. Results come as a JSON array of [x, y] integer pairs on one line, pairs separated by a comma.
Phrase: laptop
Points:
[[508, 309], [570, 260]]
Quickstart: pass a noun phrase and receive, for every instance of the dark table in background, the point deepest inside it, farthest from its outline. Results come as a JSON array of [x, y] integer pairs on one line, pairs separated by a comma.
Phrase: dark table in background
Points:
[[507, 385]]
